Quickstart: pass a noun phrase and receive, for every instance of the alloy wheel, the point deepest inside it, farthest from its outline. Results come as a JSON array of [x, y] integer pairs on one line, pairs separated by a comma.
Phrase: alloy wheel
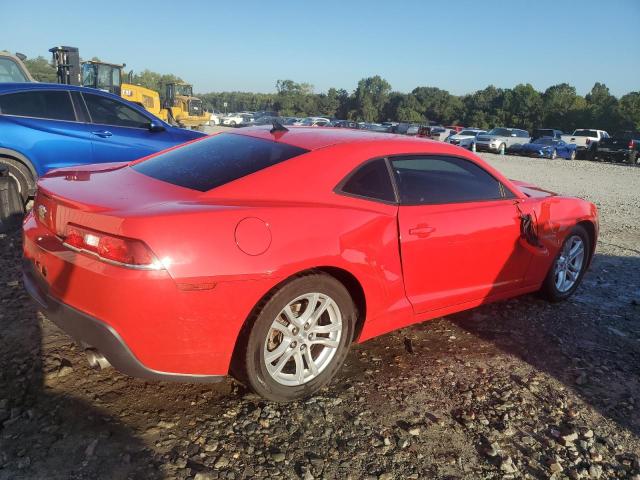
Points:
[[569, 264], [303, 339]]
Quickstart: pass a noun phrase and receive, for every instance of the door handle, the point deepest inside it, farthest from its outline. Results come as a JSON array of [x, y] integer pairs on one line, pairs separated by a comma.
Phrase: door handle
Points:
[[421, 230], [102, 134]]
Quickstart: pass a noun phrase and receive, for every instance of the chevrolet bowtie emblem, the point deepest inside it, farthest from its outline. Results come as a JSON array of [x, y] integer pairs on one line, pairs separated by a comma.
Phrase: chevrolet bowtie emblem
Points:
[[42, 212]]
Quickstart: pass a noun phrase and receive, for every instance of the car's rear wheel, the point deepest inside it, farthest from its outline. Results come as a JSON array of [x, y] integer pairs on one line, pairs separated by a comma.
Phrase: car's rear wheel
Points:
[[232, 123], [21, 175], [572, 155], [554, 154], [569, 266], [299, 339], [502, 149], [473, 147]]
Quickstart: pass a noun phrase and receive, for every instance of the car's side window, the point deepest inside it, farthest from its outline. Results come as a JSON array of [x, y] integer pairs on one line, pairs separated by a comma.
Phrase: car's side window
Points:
[[370, 180], [52, 105], [432, 180], [107, 111]]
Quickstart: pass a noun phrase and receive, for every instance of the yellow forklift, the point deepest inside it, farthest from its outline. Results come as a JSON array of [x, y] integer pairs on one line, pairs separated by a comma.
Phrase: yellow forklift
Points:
[[103, 76]]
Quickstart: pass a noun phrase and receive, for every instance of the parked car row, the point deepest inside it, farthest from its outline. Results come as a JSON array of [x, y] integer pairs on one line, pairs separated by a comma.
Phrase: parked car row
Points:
[[592, 144]]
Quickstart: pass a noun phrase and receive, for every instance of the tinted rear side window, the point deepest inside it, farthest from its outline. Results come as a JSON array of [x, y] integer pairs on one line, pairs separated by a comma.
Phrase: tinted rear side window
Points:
[[217, 160], [371, 180], [39, 104]]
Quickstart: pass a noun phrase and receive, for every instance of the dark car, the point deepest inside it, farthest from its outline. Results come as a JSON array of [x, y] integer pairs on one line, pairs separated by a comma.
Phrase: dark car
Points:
[[547, 132], [344, 124], [45, 126], [622, 147]]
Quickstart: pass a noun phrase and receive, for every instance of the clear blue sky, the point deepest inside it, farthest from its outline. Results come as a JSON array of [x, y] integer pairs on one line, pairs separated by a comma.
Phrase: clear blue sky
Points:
[[459, 45]]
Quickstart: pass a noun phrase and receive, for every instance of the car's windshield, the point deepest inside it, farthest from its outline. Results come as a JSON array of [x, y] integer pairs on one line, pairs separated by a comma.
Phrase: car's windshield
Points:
[[11, 72], [585, 133], [500, 132], [186, 90]]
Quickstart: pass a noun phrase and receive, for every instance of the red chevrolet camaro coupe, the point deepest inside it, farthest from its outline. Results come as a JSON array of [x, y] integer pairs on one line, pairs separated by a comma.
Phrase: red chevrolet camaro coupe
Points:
[[267, 252]]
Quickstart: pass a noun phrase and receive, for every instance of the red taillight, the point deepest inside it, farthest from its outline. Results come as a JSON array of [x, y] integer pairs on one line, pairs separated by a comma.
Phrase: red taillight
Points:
[[631, 144], [127, 252]]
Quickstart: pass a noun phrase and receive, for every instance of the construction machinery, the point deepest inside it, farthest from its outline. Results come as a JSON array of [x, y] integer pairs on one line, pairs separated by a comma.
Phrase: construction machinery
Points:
[[183, 108], [103, 76], [12, 69]]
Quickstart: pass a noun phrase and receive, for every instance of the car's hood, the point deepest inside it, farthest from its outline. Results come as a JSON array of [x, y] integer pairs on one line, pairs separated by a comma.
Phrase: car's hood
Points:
[[535, 146], [461, 137], [531, 190]]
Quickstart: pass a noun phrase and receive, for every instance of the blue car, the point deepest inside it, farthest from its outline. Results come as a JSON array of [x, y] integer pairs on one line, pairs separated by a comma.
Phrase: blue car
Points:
[[546, 147], [45, 126]]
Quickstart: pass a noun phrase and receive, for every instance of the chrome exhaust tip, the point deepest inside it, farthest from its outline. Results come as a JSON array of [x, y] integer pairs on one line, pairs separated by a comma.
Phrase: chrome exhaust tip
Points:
[[96, 359]]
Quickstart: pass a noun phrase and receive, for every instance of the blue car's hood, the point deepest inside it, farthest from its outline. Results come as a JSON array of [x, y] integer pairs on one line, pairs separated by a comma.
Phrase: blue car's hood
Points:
[[536, 146]]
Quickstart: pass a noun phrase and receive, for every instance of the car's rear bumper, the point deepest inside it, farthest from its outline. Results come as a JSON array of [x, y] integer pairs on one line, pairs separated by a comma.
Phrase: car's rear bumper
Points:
[[486, 147], [182, 328], [89, 332]]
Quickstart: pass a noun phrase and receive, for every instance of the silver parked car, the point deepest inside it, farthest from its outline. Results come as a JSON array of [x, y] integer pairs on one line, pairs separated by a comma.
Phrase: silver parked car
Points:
[[466, 138], [499, 140]]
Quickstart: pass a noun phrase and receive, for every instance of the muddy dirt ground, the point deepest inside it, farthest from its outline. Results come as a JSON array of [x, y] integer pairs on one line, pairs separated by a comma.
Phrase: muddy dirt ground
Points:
[[519, 389]]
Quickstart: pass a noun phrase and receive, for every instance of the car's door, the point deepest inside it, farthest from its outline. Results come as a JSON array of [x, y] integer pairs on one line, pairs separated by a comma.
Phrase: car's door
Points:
[[459, 232], [121, 133], [42, 125]]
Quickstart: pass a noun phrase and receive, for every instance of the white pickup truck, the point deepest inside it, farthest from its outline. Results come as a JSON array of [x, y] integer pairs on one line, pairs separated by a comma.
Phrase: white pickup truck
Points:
[[585, 139]]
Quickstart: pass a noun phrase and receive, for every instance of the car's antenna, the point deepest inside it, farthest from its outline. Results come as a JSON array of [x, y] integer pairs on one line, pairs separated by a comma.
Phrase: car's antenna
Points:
[[278, 127]]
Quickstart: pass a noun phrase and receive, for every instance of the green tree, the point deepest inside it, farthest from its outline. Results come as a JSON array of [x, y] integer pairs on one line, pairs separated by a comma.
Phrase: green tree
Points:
[[370, 98], [41, 69], [523, 107], [409, 110], [438, 105], [563, 108], [629, 106], [602, 108]]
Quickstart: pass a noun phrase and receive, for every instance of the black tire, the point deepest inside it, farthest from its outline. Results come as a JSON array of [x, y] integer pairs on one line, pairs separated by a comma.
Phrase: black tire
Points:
[[502, 149], [21, 175], [572, 156], [232, 123], [251, 368], [554, 154], [549, 290]]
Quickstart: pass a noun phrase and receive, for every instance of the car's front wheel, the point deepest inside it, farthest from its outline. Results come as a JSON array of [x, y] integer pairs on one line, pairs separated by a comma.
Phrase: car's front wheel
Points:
[[569, 266], [299, 339], [502, 149]]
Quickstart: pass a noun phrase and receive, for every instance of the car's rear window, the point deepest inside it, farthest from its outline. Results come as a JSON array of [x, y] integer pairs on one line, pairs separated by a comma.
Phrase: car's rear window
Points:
[[216, 160], [585, 133]]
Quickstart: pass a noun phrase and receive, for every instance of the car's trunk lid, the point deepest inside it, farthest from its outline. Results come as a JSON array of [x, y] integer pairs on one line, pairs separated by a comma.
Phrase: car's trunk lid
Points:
[[98, 195]]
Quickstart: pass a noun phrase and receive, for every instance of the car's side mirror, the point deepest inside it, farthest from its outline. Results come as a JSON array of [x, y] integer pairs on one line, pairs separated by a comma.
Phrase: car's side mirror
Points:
[[156, 127]]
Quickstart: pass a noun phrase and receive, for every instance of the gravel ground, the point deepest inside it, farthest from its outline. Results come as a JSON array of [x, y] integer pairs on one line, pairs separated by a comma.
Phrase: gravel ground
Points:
[[519, 389]]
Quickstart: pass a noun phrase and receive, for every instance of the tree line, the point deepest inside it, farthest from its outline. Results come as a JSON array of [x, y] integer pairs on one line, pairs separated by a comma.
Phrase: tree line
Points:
[[374, 100]]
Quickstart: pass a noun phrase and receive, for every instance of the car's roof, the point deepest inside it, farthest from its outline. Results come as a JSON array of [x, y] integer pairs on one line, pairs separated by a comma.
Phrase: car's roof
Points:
[[313, 138], [10, 87]]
